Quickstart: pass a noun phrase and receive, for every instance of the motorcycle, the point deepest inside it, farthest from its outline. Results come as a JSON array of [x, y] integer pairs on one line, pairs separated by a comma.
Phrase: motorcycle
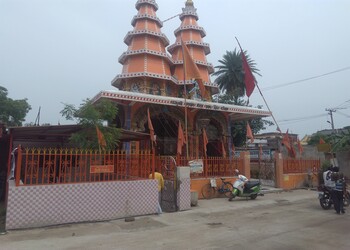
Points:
[[249, 189], [326, 201]]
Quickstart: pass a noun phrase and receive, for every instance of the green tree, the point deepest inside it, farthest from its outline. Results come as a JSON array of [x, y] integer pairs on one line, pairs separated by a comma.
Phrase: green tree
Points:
[[230, 74], [315, 138], [91, 115], [12, 112], [342, 140], [239, 128], [339, 141]]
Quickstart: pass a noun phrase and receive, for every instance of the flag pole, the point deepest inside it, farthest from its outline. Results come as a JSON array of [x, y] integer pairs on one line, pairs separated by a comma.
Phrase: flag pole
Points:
[[256, 84], [185, 96]]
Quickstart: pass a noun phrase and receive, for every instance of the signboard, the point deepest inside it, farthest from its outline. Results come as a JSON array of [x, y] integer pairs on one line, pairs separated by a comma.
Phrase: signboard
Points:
[[325, 147], [196, 166], [98, 169]]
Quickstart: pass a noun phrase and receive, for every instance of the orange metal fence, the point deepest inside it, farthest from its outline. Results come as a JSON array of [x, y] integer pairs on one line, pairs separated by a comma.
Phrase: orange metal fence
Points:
[[42, 166], [215, 166], [301, 166], [36, 166]]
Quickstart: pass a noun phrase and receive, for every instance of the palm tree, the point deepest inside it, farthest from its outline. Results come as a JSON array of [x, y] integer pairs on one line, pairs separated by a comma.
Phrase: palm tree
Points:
[[230, 74]]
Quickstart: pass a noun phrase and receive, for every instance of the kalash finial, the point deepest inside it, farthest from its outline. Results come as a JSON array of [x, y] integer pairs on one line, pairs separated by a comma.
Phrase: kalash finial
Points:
[[189, 3]]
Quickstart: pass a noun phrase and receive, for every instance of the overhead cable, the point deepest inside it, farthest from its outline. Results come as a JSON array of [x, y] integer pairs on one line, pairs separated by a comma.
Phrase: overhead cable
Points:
[[305, 79]]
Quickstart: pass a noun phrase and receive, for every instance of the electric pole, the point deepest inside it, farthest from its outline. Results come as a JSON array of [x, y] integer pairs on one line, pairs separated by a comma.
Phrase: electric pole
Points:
[[330, 112]]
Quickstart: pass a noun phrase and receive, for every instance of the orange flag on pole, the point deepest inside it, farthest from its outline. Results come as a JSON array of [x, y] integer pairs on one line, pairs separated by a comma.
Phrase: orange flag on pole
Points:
[[322, 141], [250, 133], [150, 127], [286, 141], [190, 68], [100, 138], [223, 149], [300, 147], [205, 141], [181, 140]]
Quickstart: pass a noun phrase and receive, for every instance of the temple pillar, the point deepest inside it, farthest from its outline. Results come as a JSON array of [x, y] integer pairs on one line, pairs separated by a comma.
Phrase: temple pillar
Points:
[[279, 170], [230, 142], [246, 163]]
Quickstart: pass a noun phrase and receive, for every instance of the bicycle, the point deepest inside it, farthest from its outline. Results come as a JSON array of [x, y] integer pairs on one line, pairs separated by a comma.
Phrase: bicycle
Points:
[[209, 190]]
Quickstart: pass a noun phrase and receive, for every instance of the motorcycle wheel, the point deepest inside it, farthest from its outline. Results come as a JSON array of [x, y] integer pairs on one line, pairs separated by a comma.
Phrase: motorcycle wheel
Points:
[[208, 191], [253, 196], [325, 203]]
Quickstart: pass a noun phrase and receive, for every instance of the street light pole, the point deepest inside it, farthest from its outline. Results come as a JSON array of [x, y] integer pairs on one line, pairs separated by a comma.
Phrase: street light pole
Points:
[[330, 112]]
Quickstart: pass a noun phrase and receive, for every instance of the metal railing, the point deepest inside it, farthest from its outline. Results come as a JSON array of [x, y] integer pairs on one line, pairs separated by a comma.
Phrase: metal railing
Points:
[[40, 166], [47, 166]]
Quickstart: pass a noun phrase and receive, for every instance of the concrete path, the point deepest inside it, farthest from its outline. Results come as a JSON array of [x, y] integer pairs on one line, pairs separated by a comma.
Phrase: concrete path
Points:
[[280, 220]]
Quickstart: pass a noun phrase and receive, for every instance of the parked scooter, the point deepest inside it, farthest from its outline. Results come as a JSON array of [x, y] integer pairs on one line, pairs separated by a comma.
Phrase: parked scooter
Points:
[[244, 188]]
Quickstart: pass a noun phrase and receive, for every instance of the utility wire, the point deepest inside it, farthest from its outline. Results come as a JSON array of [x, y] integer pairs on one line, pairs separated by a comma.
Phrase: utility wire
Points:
[[305, 79], [171, 18], [303, 118], [345, 104], [348, 116]]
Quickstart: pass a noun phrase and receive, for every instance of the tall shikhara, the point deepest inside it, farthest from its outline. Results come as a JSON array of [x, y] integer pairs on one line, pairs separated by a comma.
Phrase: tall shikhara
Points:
[[146, 64], [192, 35]]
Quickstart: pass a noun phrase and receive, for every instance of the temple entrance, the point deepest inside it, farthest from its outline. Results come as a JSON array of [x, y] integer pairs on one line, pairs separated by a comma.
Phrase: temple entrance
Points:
[[214, 146], [214, 149], [165, 129]]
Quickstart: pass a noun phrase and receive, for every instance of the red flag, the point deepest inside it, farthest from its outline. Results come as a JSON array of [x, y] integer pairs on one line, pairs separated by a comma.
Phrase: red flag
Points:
[[300, 147], [223, 149], [250, 133], [150, 127], [286, 141], [181, 140], [205, 141], [322, 141], [100, 138], [292, 152], [191, 70], [249, 78]]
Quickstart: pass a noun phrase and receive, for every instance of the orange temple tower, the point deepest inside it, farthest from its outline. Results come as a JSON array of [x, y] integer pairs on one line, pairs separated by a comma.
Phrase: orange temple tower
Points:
[[192, 34], [153, 79]]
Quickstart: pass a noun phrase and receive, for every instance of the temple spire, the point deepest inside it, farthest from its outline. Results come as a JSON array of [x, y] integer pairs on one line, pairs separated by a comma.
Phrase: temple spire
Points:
[[189, 3]]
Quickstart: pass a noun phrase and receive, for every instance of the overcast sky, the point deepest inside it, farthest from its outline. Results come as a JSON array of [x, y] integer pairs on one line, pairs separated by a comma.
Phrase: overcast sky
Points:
[[64, 51]]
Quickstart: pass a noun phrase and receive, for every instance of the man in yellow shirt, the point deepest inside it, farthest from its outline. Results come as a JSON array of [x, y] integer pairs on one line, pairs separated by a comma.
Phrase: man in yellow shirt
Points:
[[159, 177]]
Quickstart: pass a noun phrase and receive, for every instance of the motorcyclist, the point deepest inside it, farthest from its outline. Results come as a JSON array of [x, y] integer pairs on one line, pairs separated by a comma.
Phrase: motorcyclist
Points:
[[327, 178]]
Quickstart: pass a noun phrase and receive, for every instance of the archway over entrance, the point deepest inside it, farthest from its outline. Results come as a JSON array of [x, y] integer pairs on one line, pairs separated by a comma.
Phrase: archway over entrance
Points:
[[165, 129]]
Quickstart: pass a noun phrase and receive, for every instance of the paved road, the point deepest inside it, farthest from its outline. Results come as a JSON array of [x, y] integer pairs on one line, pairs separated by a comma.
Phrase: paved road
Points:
[[286, 220]]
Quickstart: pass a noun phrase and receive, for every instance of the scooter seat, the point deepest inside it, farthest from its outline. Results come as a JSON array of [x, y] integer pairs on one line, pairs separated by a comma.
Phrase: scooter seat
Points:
[[250, 184]]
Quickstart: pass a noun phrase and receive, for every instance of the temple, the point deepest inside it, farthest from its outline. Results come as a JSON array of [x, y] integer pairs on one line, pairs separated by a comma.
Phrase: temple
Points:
[[153, 79], [49, 182]]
